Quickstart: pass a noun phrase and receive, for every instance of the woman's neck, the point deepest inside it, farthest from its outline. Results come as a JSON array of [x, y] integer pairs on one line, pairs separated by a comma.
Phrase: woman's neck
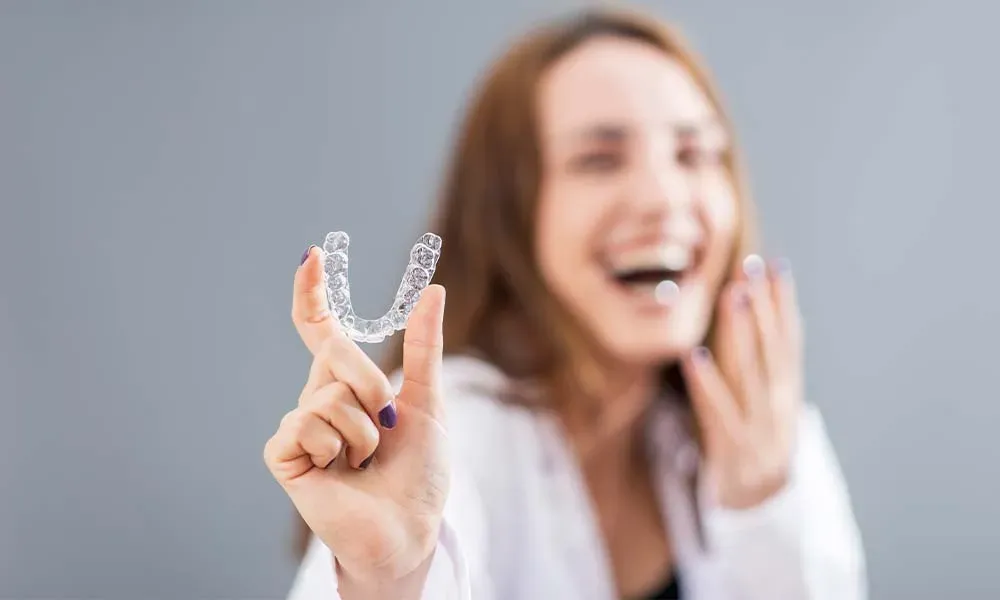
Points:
[[607, 437]]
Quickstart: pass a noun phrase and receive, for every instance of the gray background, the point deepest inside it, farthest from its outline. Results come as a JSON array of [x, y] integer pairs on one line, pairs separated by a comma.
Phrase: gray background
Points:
[[163, 165]]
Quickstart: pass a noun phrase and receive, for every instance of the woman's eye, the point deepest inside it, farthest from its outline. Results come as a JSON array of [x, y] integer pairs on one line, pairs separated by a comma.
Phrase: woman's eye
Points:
[[597, 161], [694, 157]]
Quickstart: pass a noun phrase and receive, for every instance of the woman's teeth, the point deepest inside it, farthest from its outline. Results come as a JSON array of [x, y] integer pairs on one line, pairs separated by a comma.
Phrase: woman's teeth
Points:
[[654, 273], [676, 258], [651, 266], [671, 257]]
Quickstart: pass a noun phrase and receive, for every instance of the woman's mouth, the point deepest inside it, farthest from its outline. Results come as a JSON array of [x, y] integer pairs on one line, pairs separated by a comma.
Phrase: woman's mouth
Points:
[[654, 273]]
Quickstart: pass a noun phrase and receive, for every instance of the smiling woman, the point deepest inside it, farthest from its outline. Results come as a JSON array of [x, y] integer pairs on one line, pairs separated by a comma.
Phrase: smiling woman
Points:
[[622, 377], [632, 186]]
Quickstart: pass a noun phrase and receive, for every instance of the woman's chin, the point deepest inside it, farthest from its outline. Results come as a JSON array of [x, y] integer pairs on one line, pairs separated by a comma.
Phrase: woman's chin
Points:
[[642, 348], [654, 341]]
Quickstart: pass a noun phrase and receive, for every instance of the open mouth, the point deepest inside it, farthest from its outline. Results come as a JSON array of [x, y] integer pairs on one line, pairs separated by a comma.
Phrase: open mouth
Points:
[[660, 285], [656, 273], [647, 276]]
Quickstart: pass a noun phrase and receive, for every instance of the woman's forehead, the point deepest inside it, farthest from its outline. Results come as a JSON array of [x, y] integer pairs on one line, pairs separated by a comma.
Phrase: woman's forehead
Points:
[[612, 82]]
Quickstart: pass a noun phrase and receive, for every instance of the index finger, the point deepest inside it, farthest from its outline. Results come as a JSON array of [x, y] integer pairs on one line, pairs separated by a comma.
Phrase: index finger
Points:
[[310, 311]]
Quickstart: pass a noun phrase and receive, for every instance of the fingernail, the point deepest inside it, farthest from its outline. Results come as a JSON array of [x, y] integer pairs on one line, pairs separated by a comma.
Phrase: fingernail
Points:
[[754, 267], [364, 464], [741, 296], [700, 354], [783, 267], [305, 254], [387, 416]]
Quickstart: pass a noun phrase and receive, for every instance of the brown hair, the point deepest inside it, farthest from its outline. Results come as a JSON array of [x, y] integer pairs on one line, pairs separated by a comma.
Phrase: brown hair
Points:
[[498, 306]]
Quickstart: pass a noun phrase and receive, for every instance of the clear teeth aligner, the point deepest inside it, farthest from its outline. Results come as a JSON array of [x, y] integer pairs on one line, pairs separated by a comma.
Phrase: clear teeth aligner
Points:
[[419, 271]]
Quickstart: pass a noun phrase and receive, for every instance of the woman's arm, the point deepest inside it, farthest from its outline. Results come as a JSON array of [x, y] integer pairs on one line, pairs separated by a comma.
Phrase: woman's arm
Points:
[[801, 544]]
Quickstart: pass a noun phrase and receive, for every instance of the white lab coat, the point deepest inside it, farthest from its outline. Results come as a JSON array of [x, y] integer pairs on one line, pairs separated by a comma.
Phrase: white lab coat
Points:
[[518, 524]]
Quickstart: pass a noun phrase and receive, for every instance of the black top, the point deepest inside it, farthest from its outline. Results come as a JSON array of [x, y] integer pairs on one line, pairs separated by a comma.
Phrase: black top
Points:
[[670, 591]]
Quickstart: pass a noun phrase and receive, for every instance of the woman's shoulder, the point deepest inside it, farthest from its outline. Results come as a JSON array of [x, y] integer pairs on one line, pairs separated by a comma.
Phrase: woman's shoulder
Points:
[[477, 413], [476, 395], [474, 391], [468, 374]]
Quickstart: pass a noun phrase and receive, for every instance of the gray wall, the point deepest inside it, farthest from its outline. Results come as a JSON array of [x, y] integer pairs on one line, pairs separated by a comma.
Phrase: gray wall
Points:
[[162, 166]]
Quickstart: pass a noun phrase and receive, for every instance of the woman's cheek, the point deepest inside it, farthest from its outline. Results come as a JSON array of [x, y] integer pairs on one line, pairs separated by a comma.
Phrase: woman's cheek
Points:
[[720, 208]]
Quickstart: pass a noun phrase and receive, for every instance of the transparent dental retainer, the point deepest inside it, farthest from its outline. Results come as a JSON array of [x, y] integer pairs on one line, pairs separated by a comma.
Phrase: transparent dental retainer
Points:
[[419, 271]]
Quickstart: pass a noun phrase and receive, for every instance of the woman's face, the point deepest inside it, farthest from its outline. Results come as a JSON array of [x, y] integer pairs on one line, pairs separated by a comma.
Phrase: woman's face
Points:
[[637, 214]]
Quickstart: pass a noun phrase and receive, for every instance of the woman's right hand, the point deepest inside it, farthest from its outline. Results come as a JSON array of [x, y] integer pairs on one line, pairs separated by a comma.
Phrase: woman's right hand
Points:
[[369, 480]]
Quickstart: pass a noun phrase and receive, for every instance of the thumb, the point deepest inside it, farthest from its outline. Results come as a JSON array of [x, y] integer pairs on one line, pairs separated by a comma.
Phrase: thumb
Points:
[[423, 343]]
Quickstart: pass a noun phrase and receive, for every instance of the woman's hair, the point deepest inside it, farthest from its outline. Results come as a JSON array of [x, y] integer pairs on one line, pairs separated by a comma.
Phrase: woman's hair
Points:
[[498, 306]]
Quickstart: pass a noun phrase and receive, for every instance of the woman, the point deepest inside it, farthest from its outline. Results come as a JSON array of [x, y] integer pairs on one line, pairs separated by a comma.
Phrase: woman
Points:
[[623, 380]]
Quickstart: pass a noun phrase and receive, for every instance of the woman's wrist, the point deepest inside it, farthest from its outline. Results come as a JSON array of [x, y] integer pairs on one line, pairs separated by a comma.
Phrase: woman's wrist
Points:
[[374, 587]]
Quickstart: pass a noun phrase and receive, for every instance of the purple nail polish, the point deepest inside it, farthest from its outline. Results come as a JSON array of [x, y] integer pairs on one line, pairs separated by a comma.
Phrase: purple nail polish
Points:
[[741, 296], [743, 300], [700, 354], [364, 464], [783, 267], [387, 416], [305, 254]]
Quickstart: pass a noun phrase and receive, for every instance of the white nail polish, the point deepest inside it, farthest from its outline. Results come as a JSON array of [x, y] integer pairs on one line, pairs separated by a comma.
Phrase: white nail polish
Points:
[[754, 267], [667, 292]]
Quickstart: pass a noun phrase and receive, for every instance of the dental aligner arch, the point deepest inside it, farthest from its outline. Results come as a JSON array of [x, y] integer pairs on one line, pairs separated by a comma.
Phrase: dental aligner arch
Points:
[[419, 271]]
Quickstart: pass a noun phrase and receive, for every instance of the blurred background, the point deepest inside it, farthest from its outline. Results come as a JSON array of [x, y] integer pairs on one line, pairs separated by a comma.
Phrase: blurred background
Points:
[[164, 164]]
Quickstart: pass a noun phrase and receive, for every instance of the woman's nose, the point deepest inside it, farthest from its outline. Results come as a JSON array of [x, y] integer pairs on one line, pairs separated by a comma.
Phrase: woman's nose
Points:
[[661, 187]]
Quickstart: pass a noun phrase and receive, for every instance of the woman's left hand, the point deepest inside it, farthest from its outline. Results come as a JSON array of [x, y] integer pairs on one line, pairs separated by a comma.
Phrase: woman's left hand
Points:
[[747, 397]]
